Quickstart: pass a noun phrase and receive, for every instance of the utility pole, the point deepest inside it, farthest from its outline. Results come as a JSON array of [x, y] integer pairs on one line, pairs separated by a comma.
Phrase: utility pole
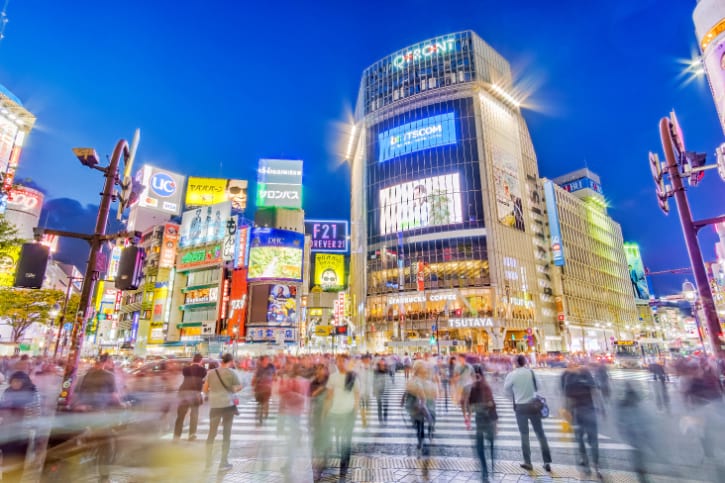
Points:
[[693, 166]]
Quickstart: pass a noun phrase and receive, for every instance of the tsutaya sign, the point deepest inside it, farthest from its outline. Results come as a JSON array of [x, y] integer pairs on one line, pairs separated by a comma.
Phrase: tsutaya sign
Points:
[[424, 51], [471, 322], [420, 298]]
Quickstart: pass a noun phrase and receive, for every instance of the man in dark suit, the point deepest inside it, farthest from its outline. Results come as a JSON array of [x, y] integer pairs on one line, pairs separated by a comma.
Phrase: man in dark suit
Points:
[[190, 397]]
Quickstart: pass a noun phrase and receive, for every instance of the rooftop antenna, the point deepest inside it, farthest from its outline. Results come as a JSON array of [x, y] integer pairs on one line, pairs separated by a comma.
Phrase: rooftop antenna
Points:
[[3, 19]]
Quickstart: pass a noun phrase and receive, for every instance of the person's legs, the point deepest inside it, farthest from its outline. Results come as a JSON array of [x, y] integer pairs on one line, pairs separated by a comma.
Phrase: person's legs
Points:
[[420, 431], [346, 425], [480, 448], [193, 420], [227, 421], [181, 411], [380, 408], [539, 431], [522, 421], [215, 417], [579, 430]]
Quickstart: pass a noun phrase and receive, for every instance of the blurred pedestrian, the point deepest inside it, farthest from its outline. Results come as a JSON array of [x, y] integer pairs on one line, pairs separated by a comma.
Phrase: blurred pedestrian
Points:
[[318, 427], [483, 407], [365, 379], [634, 427], [380, 390], [660, 382], [221, 385], [463, 380], [520, 385], [293, 390], [601, 377], [407, 365], [421, 395], [579, 390], [190, 397], [262, 386], [19, 407]]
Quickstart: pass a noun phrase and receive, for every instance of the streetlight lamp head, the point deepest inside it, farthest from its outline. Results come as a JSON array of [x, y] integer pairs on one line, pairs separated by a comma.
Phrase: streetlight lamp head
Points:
[[688, 290], [87, 156]]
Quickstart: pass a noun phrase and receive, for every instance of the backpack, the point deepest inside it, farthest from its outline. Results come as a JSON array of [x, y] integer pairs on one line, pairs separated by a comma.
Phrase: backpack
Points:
[[577, 386]]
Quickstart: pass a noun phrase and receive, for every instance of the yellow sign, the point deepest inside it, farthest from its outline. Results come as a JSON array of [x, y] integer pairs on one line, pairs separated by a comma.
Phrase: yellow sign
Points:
[[330, 271], [210, 191], [323, 330], [9, 265]]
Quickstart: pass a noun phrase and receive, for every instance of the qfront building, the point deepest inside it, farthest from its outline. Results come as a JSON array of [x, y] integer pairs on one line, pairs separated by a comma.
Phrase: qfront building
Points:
[[448, 221]]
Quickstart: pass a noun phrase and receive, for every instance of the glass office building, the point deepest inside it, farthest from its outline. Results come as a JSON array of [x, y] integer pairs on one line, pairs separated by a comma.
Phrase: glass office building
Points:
[[448, 224]]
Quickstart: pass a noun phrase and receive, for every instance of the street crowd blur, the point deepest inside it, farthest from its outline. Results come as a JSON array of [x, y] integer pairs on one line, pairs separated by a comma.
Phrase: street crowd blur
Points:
[[121, 408]]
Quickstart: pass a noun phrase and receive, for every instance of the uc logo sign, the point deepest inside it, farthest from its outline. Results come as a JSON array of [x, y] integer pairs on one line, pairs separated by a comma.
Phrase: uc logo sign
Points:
[[163, 185]]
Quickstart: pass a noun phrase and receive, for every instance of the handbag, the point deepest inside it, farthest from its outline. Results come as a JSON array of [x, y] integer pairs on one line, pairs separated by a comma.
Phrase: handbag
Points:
[[232, 397], [539, 403]]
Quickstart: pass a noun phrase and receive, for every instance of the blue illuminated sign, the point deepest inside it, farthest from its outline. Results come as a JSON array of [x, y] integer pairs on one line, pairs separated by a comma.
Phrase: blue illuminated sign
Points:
[[582, 183], [426, 133], [557, 247]]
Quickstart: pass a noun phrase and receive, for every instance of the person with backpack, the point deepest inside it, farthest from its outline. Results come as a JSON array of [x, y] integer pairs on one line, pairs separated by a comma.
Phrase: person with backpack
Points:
[[483, 407], [520, 385], [579, 390]]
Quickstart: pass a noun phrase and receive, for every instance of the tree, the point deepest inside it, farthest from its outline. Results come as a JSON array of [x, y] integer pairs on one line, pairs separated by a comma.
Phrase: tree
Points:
[[8, 234], [22, 307]]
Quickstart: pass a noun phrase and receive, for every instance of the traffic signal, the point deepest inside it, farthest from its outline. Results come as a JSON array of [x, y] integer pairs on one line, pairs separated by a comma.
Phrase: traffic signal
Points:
[[661, 190], [32, 262], [130, 268], [341, 330], [690, 162], [432, 340]]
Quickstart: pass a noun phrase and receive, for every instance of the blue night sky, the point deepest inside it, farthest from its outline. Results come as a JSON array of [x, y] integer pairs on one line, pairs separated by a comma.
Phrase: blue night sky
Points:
[[216, 85]]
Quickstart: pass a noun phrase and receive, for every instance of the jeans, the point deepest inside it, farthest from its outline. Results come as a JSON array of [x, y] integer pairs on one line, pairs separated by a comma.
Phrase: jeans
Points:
[[342, 426], [226, 417], [382, 408], [484, 432], [187, 404], [585, 424], [524, 414]]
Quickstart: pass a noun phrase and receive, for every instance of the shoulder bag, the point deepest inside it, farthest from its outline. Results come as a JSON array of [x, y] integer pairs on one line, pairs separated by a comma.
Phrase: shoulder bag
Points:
[[233, 399], [539, 404]]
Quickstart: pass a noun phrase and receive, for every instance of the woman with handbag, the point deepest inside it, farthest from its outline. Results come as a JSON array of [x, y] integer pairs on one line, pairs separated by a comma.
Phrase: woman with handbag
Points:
[[483, 407], [221, 385]]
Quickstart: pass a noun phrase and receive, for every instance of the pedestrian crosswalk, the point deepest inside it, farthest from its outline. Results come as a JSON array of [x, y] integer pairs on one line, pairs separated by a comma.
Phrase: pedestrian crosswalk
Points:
[[450, 431], [615, 374]]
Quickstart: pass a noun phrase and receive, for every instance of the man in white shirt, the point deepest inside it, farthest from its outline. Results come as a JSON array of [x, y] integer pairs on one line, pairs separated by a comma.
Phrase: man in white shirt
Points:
[[520, 385]]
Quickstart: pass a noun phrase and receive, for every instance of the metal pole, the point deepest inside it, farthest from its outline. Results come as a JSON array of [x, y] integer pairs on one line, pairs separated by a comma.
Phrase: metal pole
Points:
[[62, 315], [690, 233], [91, 276]]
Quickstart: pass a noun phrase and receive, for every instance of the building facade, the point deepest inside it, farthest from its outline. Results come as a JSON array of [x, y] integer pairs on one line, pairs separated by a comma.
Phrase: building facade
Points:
[[444, 184], [592, 278]]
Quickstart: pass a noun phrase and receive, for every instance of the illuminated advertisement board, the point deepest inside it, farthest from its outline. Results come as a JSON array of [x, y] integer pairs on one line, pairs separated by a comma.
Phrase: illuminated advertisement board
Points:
[[422, 203], [275, 254], [8, 131], [425, 50], [237, 303], [282, 305], [328, 235], [211, 191], [200, 256], [201, 296], [637, 276], [9, 265], [169, 243], [330, 271], [713, 59], [162, 189], [557, 246], [426, 133], [235, 243], [279, 183], [509, 204], [113, 261], [582, 183], [205, 225], [26, 200]]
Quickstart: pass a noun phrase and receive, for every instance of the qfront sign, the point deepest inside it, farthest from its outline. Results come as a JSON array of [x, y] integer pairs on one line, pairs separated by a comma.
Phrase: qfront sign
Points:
[[423, 51]]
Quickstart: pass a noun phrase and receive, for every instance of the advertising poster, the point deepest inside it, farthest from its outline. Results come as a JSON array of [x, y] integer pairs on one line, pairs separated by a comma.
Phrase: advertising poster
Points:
[[422, 203], [509, 205], [636, 271], [205, 225], [328, 235], [330, 272], [714, 62], [237, 303], [162, 189], [26, 200], [200, 256], [8, 265], [8, 130], [275, 254], [211, 191], [282, 305], [426, 133], [557, 246], [279, 183], [169, 243], [113, 262]]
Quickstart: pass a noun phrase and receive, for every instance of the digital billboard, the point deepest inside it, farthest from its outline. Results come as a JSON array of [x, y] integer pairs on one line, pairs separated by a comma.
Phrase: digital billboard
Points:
[[282, 305], [637, 276], [205, 225], [557, 246], [426, 202], [425, 133], [328, 235], [162, 189], [279, 183], [210, 191], [200, 256], [330, 271], [275, 254]]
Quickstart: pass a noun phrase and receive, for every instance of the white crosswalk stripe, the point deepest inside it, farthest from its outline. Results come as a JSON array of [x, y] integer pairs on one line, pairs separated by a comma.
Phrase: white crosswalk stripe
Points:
[[615, 374], [450, 429]]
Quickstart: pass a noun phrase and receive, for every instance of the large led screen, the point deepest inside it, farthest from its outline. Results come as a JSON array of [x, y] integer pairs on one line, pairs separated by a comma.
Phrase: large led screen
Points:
[[423, 203], [426, 133], [275, 255]]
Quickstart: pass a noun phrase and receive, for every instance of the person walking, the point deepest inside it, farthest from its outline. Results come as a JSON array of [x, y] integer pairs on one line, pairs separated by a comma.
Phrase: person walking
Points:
[[483, 407], [660, 382], [262, 387], [380, 390], [579, 390], [420, 396], [221, 384], [19, 406], [463, 377], [190, 397], [520, 385]]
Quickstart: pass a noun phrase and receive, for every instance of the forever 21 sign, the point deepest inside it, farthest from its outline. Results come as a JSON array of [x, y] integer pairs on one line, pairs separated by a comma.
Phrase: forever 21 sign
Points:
[[328, 235]]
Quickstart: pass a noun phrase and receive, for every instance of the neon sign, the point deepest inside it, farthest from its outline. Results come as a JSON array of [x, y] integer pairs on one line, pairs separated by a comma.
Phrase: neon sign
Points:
[[424, 51]]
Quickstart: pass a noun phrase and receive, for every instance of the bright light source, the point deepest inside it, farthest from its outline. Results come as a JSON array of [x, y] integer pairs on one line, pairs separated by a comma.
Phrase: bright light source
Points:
[[505, 95], [350, 143]]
